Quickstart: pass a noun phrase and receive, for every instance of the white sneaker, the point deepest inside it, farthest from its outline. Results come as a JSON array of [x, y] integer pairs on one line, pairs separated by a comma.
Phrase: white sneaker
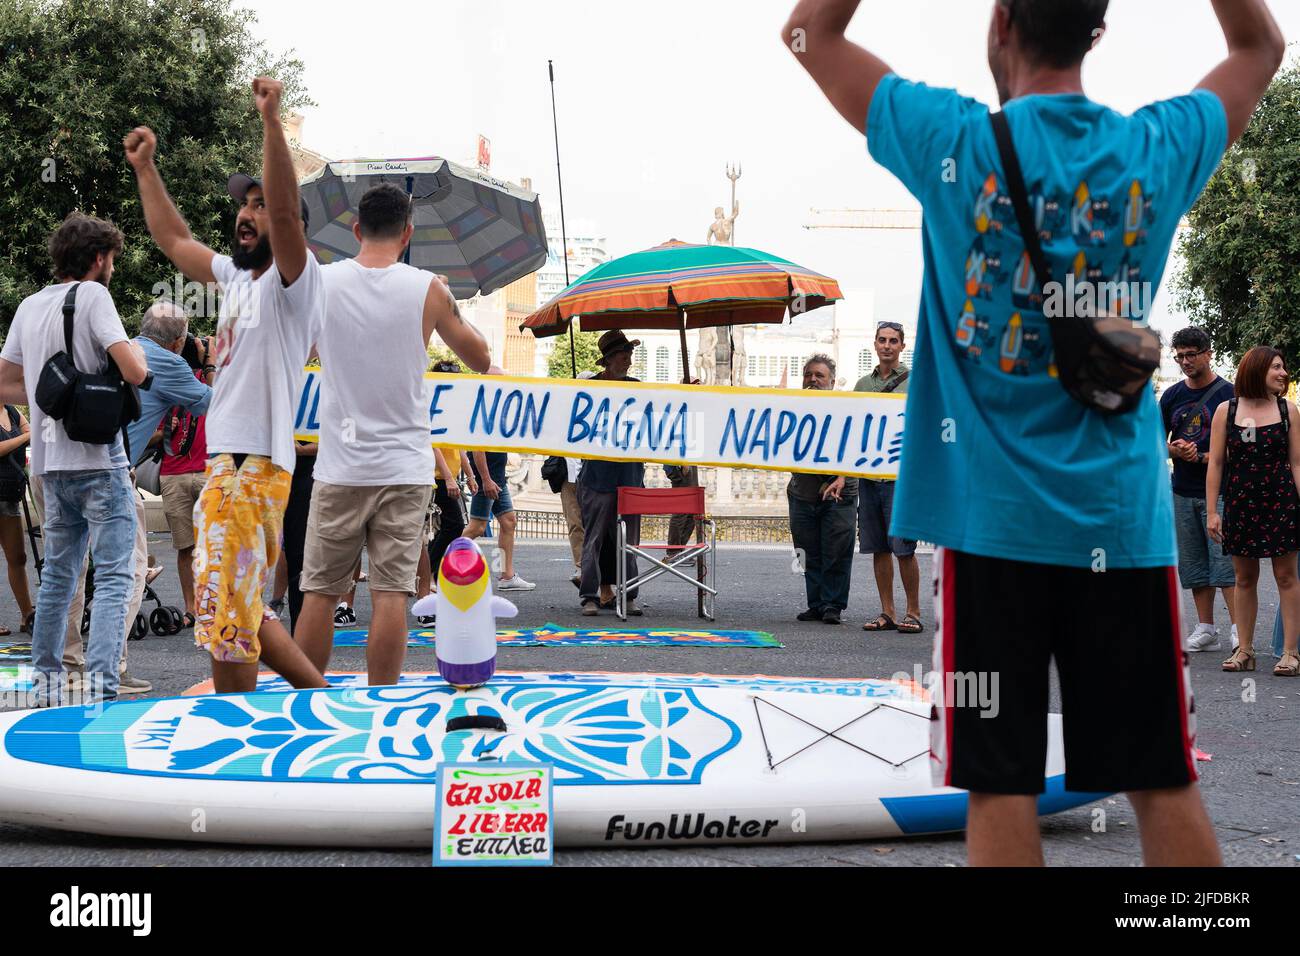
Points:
[[1204, 638], [515, 584]]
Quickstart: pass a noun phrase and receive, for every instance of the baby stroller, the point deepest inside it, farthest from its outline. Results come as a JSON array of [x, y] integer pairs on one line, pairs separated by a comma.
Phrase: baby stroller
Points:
[[164, 620]]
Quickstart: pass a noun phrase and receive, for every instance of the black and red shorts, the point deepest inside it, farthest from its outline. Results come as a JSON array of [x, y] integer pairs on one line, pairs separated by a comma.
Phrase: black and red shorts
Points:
[[1128, 715]]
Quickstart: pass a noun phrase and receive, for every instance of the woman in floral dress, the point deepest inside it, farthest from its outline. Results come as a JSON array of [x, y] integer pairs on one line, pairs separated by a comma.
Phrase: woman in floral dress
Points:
[[1255, 461]]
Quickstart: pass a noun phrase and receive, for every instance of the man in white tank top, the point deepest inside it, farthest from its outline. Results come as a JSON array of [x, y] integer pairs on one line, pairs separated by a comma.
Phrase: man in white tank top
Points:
[[375, 467]]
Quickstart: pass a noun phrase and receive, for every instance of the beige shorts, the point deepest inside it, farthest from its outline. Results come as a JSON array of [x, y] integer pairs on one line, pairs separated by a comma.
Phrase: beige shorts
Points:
[[386, 519], [179, 495]]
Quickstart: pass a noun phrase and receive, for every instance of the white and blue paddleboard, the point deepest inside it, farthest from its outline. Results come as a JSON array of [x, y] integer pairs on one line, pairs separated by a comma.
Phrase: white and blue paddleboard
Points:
[[637, 762]]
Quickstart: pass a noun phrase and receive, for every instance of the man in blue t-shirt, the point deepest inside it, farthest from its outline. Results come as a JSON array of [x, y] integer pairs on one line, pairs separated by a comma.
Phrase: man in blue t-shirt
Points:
[[1028, 493], [1186, 409]]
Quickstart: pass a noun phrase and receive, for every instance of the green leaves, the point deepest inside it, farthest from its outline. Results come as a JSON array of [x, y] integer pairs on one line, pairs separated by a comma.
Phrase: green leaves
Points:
[[559, 364], [75, 77], [1241, 273]]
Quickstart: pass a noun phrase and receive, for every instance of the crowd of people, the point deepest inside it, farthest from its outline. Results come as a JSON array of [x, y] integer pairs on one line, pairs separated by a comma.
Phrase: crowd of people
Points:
[[1055, 531]]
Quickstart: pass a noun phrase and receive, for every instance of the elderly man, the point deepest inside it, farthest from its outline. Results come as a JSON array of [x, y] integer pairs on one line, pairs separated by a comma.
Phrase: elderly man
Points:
[[164, 331], [823, 511]]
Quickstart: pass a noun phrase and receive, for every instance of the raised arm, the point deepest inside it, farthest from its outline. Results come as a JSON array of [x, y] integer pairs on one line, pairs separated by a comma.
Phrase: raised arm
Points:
[[847, 73], [1255, 51], [165, 224], [442, 315], [280, 185]]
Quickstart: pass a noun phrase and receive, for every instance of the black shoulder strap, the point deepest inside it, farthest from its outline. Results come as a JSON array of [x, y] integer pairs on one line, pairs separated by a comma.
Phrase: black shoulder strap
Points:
[[1020, 197], [69, 309], [895, 383], [1283, 407]]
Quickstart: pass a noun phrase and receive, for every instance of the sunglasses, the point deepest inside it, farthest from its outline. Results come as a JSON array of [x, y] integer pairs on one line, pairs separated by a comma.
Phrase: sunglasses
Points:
[[889, 325]]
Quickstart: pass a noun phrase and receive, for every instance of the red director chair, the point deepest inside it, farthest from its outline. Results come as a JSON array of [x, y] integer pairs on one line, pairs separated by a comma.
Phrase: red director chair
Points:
[[668, 501]]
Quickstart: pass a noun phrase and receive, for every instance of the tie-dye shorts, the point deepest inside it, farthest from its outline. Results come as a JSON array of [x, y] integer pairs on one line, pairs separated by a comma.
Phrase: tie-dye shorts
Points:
[[238, 521]]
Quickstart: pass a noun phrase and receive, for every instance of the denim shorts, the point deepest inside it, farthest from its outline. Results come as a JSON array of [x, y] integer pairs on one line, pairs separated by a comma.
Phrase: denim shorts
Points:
[[875, 508], [1201, 561], [481, 505]]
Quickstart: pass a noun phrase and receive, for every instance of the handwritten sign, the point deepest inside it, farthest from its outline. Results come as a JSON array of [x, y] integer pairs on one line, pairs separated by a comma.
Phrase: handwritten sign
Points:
[[493, 814], [834, 433]]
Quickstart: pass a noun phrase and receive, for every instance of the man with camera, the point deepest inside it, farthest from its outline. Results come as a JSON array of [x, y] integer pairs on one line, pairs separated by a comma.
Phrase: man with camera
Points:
[[1032, 453], [181, 372], [88, 494]]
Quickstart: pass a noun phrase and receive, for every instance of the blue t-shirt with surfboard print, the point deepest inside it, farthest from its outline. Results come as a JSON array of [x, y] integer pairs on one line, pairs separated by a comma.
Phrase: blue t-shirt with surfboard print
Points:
[[997, 459]]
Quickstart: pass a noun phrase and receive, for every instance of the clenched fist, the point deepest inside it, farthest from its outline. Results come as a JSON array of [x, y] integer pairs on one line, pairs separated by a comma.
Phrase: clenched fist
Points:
[[267, 93], [140, 144]]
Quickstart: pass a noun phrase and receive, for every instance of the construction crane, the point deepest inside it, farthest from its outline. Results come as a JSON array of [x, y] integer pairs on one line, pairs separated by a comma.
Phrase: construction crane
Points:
[[864, 219]]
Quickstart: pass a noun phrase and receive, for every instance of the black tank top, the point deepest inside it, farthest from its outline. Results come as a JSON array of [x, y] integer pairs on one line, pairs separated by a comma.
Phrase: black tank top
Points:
[[11, 465]]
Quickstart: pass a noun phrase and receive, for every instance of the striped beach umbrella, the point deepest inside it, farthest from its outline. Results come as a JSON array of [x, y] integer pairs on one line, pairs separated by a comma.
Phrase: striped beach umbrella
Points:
[[481, 232], [681, 285]]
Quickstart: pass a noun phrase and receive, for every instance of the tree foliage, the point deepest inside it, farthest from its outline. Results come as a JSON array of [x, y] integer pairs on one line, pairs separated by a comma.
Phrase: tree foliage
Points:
[[559, 364], [76, 76], [1241, 273]]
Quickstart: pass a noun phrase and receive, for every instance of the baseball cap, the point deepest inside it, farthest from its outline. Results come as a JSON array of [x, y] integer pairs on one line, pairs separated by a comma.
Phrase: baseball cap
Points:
[[239, 184]]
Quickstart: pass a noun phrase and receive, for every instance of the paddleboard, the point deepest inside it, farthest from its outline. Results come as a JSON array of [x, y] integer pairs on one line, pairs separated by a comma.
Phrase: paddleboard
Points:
[[848, 686], [636, 764]]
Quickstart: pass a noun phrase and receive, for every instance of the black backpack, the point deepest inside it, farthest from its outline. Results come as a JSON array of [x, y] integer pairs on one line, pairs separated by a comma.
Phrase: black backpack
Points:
[[93, 408]]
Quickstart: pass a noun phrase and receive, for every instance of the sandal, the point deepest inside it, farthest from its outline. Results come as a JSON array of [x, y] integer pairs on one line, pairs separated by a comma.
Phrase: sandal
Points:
[[1288, 665], [883, 622], [187, 621], [1241, 660], [4, 631], [910, 625], [29, 622]]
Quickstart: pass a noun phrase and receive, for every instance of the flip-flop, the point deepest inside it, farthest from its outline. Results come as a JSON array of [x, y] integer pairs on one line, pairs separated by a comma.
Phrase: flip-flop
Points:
[[910, 625], [4, 631], [875, 625]]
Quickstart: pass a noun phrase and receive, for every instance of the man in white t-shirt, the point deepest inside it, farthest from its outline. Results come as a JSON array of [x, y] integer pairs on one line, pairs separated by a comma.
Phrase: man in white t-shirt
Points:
[[88, 494], [375, 467], [272, 301]]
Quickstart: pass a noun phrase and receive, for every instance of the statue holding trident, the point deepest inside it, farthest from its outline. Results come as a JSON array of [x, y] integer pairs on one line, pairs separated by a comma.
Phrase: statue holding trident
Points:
[[722, 231], [731, 355]]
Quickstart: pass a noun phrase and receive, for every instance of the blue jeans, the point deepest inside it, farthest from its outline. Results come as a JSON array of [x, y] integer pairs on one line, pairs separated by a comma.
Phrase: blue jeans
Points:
[[823, 533], [1279, 632], [82, 505], [1201, 561]]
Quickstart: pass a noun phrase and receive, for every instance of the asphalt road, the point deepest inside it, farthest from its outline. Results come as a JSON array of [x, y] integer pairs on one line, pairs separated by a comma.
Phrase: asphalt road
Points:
[[1251, 785]]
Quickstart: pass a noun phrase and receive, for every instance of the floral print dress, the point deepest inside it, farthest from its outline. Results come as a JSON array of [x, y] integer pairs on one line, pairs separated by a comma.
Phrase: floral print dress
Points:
[[1261, 504]]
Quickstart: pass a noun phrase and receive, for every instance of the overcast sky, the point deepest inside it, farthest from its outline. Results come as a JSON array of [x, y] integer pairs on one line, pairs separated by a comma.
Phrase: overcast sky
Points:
[[655, 98]]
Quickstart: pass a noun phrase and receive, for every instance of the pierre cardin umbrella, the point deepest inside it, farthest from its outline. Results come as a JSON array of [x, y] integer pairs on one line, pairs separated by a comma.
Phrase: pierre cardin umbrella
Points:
[[479, 231]]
